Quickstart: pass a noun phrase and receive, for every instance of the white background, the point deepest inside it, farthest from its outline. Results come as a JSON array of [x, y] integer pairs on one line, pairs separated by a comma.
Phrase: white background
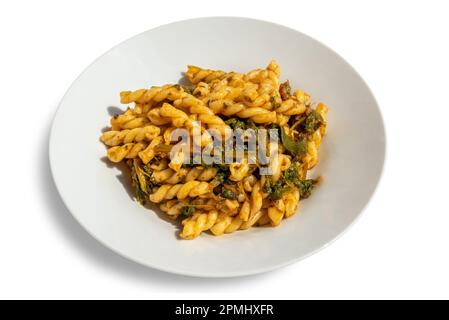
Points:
[[398, 249]]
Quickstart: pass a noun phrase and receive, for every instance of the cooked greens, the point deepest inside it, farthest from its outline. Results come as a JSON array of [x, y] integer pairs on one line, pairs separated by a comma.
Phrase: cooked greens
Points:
[[228, 194], [312, 122], [141, 180], [244, 124], [276, 190], [305, 186], [187, 210], [297, 147], [140, 193], [289, 179]]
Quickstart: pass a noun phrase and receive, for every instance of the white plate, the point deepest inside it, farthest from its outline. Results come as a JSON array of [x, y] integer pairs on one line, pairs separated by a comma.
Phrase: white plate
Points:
[[351, 156]]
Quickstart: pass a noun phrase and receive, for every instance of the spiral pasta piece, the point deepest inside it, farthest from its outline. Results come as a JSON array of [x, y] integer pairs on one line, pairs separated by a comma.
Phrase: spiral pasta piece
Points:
[[149, 152], [223, 221], [152, 95], [291, 107], [201, 90], [239, 170], [291, 201], [128, 120], [115, 138], [322, 109], [252, 221], [249, 182], [180, 118], [275, 215], [220, 197], [127, 151], [173, 207], [170, 176], [180, 191], [199, 222], [235, 225], [268, 79], [205, 114], [263, 220], [252, 205], [230, 108], [196, 74]]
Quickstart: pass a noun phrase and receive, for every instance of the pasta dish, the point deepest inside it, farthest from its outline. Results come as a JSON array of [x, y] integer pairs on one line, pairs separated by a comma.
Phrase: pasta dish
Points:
[[228, 152]]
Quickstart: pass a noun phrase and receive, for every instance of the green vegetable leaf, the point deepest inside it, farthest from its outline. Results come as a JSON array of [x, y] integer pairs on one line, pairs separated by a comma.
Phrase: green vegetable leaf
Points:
[[228, 194], [187, 210], [279, 191], [221, 177], [275, 190], [312, 122], [236, 123], [187, 89], [291, 175], [295, 147], [306, 187], [267, 186], [140, 194], [276, 101]]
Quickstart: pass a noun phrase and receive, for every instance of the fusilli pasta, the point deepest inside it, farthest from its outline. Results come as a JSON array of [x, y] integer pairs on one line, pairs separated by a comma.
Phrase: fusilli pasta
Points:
[[215, 196]]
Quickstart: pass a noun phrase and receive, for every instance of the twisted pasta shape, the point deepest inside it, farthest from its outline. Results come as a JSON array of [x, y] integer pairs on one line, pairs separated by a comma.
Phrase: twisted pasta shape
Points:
[[249, 182], [322, 109], [268, 77], [225, 224], [128, 151], [146, 131], [115, 138], [155, 117], [252, 220], [291, 201], [311, 158], [285, 207], [282, 119], [202, 91], [170, 176], [196, 74], [291, 107], [275, 215], [149, 153], [173, 207], [180, 119], [230, 108], [264, 220], [128, 120], [231, 89], [197, 223], [255, 89], [205, 115], [181, 191], [153, 95], [253, 205], [274, 67], [239, 170]]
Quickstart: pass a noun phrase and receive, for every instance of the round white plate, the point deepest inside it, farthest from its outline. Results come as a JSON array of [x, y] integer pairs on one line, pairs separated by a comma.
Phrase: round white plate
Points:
[[97, 194]]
